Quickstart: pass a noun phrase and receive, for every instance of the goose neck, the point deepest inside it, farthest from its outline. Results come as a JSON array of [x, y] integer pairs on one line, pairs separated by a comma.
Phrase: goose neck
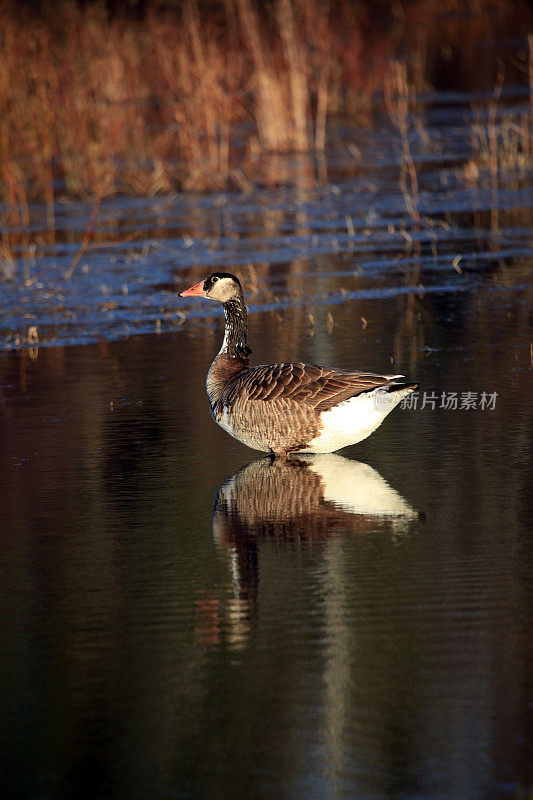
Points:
[[235, 342]]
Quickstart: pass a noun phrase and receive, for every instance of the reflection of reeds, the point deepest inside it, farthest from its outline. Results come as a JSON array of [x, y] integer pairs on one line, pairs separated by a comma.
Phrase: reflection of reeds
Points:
[[500, 152], [400, 97], [400, 101], [501, 147]]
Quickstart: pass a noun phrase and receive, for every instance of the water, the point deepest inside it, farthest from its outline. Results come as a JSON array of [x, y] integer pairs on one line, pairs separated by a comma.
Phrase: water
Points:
[[182, 618], [295, 237]]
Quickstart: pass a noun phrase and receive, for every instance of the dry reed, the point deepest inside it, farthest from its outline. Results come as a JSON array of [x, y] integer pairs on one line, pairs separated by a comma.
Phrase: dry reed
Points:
[[501, 147], [93, 104], [187, 97], [501, 151], [400, 97]]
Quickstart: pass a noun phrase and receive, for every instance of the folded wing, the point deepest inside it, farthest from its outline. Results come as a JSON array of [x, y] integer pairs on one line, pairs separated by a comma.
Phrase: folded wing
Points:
[[320, 387]]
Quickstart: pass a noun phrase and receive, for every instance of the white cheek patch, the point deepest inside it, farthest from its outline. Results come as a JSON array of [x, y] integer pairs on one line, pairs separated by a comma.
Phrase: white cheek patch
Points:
[[225, 289]]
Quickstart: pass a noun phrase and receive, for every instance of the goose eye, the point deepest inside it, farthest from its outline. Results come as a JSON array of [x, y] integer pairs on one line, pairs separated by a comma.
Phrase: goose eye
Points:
[[214, 279]]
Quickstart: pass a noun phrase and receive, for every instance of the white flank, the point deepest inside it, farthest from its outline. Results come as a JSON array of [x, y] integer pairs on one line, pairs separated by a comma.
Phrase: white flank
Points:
[[354, 420]]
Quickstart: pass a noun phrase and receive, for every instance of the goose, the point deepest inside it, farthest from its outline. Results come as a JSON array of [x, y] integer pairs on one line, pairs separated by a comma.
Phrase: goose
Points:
[[290, 407]]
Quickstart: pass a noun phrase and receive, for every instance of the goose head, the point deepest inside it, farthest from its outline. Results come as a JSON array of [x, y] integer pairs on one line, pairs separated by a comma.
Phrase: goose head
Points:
[[221, 286]]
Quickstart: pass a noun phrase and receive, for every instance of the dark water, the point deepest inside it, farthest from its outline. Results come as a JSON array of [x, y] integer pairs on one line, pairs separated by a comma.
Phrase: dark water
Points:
[[184, 619]]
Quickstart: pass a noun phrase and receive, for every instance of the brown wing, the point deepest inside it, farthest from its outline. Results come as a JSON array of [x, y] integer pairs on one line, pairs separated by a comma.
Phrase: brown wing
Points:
[[320, 387]]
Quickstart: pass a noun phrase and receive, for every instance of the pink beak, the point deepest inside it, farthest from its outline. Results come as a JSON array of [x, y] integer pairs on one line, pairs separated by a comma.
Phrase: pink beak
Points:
[[195, 291]]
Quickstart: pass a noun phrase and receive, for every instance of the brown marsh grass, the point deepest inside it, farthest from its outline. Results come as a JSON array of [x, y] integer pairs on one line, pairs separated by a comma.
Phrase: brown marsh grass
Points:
[[182, 98], [93, 104], [195, 95]]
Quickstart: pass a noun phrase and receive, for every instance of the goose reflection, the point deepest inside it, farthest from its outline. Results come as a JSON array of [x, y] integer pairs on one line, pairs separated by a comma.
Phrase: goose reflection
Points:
[[306, 499]]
